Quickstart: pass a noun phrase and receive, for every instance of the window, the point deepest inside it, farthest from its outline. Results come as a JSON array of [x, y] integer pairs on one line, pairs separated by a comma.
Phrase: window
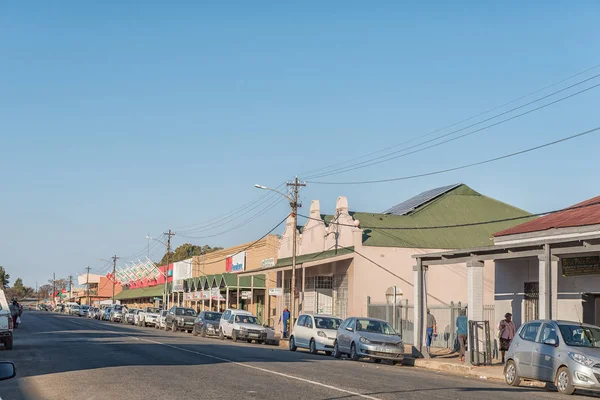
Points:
[[530, 331], [308, 323], [226, 315], [548, 332], [327, 323], [323, 282], [302, 320], [349, 323]]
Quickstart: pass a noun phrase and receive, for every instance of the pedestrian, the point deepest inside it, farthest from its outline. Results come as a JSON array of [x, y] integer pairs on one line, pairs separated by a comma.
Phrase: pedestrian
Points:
[[431, 329], [14, 312], [285, 317], [506, 333], [462, 332]]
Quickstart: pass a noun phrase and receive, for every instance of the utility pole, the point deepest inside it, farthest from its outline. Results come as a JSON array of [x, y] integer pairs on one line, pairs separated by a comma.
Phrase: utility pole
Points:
[[296, 184], [37, 291], [166, 298], [114, 258], [70, 287], [54, 288], [87, 282]]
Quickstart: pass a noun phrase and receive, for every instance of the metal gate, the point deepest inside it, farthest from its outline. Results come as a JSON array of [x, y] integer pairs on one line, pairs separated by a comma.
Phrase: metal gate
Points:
[[531, 301]]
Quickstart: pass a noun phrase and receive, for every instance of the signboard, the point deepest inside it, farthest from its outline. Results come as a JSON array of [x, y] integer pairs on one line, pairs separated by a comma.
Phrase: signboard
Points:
[[236, 263], [182, 269], [205, 295], [215, 294], [268, 263], [275, 291], [246, 295], [178, 286], [577, 266]]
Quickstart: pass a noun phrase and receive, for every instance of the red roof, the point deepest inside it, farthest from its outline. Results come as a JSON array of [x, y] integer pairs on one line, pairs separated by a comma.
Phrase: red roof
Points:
[[582, 214]]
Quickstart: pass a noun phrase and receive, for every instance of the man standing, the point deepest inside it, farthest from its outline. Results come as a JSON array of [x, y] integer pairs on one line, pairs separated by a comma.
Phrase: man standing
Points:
[[285, 317], [431, 330], [506, 333]]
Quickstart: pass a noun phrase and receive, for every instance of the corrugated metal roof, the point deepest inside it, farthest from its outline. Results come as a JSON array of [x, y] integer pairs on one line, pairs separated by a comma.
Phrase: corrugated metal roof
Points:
[[409, 205], [589, 215]]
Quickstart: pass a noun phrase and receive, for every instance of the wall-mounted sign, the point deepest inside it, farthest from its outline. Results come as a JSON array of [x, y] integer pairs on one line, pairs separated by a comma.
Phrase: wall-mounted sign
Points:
[[205, 295], [236, 263], [275, 291], [246, 295], [268, 263], [576, 266], [178, 286]]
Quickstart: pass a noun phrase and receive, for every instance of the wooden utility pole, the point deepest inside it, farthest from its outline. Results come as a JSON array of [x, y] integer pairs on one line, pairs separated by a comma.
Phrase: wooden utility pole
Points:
[[70, 287], [166, 298], [87, 282], [114, 258], [54, 288], [296, 184]]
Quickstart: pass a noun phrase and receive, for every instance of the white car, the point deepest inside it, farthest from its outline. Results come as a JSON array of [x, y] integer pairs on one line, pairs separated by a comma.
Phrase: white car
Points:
[[315, 332], [241, 325], [161, 320]]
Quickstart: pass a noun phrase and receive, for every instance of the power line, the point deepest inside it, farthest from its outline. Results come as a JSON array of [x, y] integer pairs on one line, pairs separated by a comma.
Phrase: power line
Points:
[[462, 166], [371, 162], [453, 124], [495, 221]]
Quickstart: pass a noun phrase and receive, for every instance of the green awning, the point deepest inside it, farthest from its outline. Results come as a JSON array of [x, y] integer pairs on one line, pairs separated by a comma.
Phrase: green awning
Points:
[[260, 281], [140, 293], [322, 255]]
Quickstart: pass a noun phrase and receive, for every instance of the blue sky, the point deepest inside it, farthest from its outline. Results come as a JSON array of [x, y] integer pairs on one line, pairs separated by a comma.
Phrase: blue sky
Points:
[[118, 120]]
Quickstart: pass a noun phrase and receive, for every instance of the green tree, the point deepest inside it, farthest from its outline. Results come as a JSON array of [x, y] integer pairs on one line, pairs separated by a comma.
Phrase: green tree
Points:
[[4, 278], [45, 291], [20, 291], [186, 251]]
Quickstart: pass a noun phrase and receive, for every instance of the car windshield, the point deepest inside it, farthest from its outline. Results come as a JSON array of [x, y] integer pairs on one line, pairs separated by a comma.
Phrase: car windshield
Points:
[[75, 307], [246, 319], [188, 312], [212, 316], [580, 335], [108, 310], [154, 310], [374, 326], [85, 307], [118, 308], [163, 313], [327, 323]]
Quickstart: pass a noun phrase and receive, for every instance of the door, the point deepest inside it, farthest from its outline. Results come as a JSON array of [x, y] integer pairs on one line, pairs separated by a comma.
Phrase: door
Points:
[[324, 301], [344, 340], [229, 325], [597, 311], [524, 348], [224, 319], [299, 331], [260, 307], [544, 355]]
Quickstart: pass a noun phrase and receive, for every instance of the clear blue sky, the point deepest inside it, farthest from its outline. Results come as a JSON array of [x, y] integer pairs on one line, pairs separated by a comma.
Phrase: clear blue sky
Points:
[[118, 120]]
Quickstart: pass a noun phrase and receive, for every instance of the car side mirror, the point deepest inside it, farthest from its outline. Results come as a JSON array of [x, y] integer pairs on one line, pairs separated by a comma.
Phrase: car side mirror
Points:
[[550, 342], [349, 329], [7, 370]]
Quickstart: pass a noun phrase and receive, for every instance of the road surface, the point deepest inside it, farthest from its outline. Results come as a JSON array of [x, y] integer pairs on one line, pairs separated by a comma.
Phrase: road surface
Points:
[[69, 358]]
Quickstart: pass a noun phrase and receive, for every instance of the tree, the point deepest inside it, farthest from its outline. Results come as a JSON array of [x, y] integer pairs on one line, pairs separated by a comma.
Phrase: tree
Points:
[[186, 251], [4, 277], [45, 291], [19, 291]]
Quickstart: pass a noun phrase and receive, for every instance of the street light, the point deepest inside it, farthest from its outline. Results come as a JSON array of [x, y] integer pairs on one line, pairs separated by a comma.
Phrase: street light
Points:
[[294, 205]]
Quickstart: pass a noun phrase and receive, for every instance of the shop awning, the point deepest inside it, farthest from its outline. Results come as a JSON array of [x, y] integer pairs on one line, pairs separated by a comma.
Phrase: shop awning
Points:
[[140, 293]]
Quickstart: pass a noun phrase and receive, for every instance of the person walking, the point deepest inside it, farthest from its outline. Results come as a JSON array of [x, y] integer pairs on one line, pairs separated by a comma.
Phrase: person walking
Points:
[[506, 333], [431, 330], [285, 317], [462, 331]]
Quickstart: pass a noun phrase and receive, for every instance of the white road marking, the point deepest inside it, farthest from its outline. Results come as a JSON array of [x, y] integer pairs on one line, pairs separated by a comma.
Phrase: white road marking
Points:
[[269, 371]]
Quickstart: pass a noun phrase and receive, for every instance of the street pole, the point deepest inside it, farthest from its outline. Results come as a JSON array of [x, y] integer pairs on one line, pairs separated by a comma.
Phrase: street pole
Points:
[[166, 297], [54, 288], [294, 204], [70, 287], [114, 258], [37, 290], [87, 282]]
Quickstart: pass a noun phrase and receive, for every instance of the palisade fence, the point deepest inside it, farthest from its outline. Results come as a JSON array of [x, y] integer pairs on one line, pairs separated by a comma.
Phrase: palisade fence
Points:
[[401, 317]]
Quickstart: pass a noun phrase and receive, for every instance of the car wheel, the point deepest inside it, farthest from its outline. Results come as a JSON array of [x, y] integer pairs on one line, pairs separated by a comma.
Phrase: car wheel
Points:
[[234, 336], [377, 360], [194, 332], [8, 344], [564, 383], [145, 325], [203, 333], [312, 347], [353, 353], [166, 327], [336, 350], [249, 340], [261, 342], [511, 376], [293, 344], [221, 334], [328, 353], [395, 362], [174, 327]]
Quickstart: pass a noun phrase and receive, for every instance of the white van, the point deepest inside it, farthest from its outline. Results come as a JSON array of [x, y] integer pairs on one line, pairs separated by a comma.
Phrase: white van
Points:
[[241, 325]]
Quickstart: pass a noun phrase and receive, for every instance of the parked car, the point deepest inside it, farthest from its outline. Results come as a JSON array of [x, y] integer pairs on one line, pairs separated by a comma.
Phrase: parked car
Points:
[[315, 332], [368, 337], [160, 321], [241, 325], [207, 324], [106, 314], [180, 318], [93, 311], [148, 317], [117, 313], [74, 310], [84, 310], [128, 317], [561, 352], [6, 324]]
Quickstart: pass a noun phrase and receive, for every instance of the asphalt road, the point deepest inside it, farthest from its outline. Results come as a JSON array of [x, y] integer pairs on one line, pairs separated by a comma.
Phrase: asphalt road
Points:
[[63, 357]]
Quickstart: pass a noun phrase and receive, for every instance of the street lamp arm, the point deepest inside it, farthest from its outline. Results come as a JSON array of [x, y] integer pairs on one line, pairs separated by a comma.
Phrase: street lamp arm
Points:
[[159, 241], [273, 190]]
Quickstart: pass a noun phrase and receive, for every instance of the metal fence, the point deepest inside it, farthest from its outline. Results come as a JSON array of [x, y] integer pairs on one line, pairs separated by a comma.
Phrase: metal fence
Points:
[[401, 317]]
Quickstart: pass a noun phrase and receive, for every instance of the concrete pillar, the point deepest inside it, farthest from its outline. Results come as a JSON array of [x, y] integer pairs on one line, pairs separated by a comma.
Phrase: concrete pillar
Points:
[[420, 308], [548, 285], [554, 289], [475, 290]]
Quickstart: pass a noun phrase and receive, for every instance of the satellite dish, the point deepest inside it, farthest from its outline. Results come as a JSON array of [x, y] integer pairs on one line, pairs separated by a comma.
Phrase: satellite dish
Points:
[[394, 294]]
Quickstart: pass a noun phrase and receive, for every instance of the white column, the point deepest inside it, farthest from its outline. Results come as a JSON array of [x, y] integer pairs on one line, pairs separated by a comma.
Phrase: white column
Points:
[[420, 307], [544, 283], [554, 289], [475, 290]]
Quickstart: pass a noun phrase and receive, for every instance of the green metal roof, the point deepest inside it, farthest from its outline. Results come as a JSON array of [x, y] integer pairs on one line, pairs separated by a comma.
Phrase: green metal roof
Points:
[[461, 205], [284, 262], [154, 291], [260, 281]]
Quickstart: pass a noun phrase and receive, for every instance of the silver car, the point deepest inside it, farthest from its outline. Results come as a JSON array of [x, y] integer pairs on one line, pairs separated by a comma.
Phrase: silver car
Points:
[[562, 352], [368, 337], [161, 320], [315, 332]]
